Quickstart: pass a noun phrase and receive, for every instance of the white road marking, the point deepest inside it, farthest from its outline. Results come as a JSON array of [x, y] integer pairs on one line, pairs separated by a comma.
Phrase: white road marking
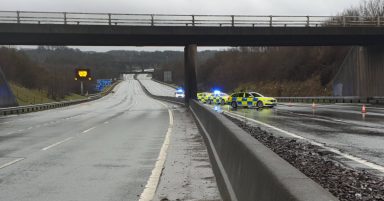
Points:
[[106, 122], [150, 189], [86, 131], [55, 144], [11, 162], [336, 151]]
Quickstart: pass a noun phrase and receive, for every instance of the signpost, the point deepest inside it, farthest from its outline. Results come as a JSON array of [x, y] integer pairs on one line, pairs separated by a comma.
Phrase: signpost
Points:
[[82, 74]]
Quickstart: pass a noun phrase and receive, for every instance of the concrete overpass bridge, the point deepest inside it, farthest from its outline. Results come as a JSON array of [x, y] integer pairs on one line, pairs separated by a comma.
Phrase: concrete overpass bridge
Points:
[[114, 29]]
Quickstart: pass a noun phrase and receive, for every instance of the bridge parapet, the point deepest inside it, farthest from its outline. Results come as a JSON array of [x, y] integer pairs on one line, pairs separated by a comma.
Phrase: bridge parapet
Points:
[[121, 19]]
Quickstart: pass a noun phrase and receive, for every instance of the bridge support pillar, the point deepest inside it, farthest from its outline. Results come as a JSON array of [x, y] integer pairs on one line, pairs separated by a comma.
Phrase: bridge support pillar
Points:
[[190, 62], [362, 73]]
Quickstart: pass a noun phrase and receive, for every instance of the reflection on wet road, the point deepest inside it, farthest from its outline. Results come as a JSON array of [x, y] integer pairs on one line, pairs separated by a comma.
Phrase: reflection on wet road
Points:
[[340, 126]]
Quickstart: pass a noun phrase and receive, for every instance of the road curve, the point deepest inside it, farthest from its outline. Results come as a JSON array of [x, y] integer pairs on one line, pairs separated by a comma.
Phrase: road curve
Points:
[[100, 150], [155, 88]]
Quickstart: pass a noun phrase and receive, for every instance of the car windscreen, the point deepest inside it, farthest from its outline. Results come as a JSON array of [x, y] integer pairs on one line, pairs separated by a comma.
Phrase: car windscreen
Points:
[[257, 95]]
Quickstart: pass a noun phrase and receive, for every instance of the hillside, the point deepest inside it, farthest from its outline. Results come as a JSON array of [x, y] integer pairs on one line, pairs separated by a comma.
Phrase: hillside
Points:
[[25, 96], [274, 71]]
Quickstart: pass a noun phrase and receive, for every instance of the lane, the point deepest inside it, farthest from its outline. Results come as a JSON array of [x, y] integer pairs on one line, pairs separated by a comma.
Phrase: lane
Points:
[[154, 87], [187, 174], [342, 127], [101, 150]]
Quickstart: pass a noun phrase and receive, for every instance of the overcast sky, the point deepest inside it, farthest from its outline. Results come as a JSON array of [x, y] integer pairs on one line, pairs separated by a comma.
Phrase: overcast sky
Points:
[[226, 7]]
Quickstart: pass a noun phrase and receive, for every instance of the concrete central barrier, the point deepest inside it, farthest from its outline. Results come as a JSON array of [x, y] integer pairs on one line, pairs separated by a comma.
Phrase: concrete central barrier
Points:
[[246, 170]]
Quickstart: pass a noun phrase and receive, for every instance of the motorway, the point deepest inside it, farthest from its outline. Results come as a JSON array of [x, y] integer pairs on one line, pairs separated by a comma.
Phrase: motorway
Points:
[[155, 88], [100, 150], [342, 127], [339, 126]]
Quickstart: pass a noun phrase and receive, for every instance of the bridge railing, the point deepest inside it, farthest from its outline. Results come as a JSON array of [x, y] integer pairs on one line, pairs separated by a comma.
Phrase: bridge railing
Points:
[[119, 19]]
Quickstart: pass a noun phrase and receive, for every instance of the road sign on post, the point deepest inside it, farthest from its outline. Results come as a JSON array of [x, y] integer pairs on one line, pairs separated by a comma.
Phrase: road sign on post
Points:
[[82, 74]]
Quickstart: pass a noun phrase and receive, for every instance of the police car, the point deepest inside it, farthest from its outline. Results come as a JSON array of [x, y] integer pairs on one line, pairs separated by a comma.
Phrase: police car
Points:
[[218, 97], [203, 96], [179, 93], [251, 99]]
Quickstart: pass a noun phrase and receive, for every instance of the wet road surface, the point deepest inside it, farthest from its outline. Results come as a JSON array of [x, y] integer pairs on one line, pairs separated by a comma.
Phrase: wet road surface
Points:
[[156, 88], [188, 173], [100, 150], [340, 126]]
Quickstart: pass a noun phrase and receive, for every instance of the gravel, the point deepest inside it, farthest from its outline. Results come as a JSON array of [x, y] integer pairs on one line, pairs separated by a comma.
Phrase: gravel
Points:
[[318, 164]]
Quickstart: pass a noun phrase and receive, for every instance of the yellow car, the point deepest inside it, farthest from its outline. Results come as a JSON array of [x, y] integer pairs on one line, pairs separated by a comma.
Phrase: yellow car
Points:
[[203, 96], [218, 97], [250, 99]]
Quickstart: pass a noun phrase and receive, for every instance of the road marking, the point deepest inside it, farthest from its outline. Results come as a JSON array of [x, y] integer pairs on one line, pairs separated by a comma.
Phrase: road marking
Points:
[[150, 189], [336, 151], [55, 144], [11, 163], [106, 122], [86, 131]]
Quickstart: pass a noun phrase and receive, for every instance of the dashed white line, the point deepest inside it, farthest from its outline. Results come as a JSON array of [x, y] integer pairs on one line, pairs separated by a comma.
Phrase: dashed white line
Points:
[[55, 144], [11, 163], [86, 131], [345, 155]]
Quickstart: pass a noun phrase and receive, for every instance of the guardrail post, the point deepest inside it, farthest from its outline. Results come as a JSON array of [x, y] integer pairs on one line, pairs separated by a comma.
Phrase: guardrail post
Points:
[[270, 21], [193, 20], [233, 20], [109, 19], [65, 18], [344, 21], [152, 20], [18, 17], [307, 21]]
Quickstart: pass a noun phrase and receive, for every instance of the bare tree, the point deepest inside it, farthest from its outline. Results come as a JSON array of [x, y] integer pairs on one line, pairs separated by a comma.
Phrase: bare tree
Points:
[[372, 8]]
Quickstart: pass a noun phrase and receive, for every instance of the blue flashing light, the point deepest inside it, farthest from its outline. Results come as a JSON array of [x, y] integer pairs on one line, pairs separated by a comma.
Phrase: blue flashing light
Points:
[[216, 91], [180, 90]]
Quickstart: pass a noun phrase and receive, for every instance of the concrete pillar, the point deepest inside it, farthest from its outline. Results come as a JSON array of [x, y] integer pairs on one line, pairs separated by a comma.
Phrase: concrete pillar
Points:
[[190, 82], [361, 73]]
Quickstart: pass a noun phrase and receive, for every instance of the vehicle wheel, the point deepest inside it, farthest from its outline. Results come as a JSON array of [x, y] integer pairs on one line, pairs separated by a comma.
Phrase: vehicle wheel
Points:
[[234, 105], [260, 104], [222, 102]]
